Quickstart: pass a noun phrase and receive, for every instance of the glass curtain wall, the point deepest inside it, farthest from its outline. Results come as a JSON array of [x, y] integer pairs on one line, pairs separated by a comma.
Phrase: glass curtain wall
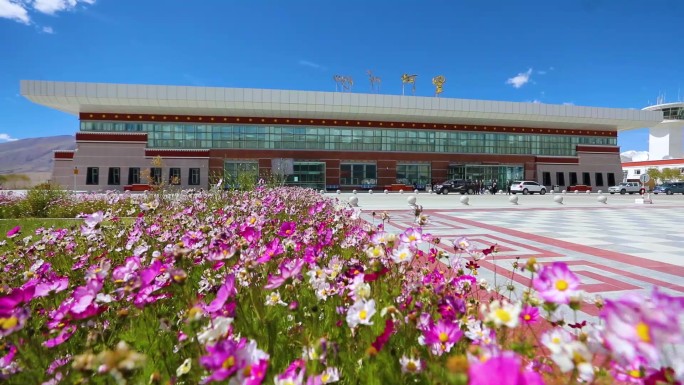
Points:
[[307, 174], [417, 175], [487, 173], [359, 174]]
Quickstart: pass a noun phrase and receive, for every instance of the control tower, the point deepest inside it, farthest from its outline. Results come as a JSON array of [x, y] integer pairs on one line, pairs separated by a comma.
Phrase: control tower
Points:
[[666, 140]]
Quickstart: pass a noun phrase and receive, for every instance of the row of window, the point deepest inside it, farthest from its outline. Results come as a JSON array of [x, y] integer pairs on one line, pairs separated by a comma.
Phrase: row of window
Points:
[[572, 178], [361, 139], [134, 176]]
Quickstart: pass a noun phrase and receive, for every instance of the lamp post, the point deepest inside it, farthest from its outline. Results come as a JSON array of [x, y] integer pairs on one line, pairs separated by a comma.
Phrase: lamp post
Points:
[[75, 173]]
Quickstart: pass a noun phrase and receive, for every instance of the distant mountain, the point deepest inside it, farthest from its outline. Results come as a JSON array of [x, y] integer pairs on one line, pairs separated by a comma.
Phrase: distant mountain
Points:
[[34, 155]]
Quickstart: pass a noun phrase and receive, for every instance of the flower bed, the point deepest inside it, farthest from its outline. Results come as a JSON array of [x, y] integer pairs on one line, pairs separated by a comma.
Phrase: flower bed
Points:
[[283, 286]]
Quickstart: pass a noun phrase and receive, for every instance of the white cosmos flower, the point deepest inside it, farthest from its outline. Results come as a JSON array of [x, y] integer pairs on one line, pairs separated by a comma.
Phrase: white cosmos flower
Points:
[[184, 368], [274, 299], [330, 375], [402, 254], [503, 313], [217, 329], [410, 365], [361, 312]]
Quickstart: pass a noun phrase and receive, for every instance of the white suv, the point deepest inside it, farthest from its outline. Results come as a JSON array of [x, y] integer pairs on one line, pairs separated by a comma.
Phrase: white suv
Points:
[[527, 187]]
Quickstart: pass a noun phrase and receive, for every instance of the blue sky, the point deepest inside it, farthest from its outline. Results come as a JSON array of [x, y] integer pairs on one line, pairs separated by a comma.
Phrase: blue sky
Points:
[[604, 53]]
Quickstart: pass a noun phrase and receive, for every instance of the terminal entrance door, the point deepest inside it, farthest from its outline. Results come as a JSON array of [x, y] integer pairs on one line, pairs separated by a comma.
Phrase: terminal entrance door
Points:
[[307, 174], [500, 174]]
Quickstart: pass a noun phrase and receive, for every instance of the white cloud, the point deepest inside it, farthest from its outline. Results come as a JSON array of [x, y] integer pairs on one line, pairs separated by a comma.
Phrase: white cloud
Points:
[[51, 7], [634, 156], [568, 103], [18, 10], [48, 30], [311, 64], [520, 80], [14, 10], [7, 138]]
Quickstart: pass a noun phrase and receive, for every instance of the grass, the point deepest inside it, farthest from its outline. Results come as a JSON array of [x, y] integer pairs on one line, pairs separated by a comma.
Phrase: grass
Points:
[[29, 225]]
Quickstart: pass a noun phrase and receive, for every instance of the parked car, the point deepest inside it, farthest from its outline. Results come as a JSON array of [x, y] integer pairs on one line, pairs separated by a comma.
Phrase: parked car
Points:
[[625, 187], [527, 187], [579, 187], [669, 188], [461, 186]]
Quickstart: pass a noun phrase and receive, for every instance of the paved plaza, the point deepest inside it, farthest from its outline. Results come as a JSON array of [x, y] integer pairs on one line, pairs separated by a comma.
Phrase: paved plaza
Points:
[[615, 248]]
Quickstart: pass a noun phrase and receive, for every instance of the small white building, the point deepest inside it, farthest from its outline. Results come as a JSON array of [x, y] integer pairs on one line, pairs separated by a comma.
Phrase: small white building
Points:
[[631, 171]]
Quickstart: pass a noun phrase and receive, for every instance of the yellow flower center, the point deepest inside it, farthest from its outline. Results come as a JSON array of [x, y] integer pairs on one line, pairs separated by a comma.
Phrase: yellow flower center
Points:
[[443, 337], [503, 315], [634, 373], [8, 323], [363, 314], [228, 363], [325, 377], [561, 285], [556, 340], [411, 366], [527, 317], [643, 332], [247, 370]]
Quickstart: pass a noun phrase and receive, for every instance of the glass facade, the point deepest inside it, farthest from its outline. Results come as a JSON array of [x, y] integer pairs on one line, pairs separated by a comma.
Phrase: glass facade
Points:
[[167, 135], [358, 174], [501, 174], [674, 113], [307, 174], [417, 175], [233, 171]]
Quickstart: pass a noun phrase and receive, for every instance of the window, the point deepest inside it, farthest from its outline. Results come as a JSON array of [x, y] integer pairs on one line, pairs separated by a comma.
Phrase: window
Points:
[[573, 178], [156, 175], [546, 176], [599, 179], [637, 172], [134, 175], [93, 176], [624, 176], [560, 178], [174, 175], [418, 174], [114, 177], [611, 179], [194, 177], [357, 174], [586, 179]]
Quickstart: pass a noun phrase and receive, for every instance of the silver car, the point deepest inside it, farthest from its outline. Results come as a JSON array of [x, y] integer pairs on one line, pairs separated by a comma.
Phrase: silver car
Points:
[[527, 187]]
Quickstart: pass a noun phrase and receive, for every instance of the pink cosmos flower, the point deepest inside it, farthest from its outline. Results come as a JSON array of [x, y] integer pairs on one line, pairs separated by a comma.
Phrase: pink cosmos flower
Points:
[[288, 269], [287, 229], [556, 283], [14, 232], [382, 339], [272, 249], [127, 271], [529, 314], [94, 219], [62, 337], [639, 327], [505, 369], [442, 336], [293, 375], [412, 236], [221, 360], [226, 291]]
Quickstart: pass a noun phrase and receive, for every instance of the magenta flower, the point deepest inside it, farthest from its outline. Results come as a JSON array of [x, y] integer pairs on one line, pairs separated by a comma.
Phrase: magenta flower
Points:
[[505, 369], [529, 314], [127, 271], [271, 250], [442, 336], [637, 327], [287, 229], [294, 374], [556, 283], [226, 291], [221, 360], [62, 337], [14, 232], [288, 269]]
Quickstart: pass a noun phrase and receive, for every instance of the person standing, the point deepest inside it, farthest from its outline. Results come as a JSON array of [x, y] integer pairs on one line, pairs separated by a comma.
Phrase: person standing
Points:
[[508, 187]]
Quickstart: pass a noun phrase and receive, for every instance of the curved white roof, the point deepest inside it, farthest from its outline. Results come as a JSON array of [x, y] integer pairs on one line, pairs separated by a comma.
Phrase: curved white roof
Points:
[[658, 107], [75, 98]]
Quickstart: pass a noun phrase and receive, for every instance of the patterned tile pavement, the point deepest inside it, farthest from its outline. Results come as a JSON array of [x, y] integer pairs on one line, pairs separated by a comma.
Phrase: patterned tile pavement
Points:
[[613, 249]]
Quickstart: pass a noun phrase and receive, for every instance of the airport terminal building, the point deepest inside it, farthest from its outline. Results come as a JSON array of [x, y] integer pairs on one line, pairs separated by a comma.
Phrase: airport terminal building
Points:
[[327, 140]]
